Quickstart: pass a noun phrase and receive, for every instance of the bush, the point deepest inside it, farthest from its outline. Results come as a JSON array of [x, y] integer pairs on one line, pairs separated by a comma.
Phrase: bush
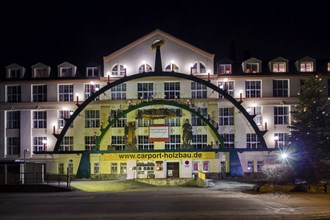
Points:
[[278, 173]]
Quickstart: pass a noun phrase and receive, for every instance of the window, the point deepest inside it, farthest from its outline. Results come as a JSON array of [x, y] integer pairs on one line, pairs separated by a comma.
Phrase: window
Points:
[[118, 142], [39, 93], [145, 68], [282, 139], [92, 118], [256, 111], [60, 169], [198, 67], [63, 115], [66, 72], [280, 88], [92, 71], [250, 166], [90, 142], [13, 93], [65, 93], [172, 90], [114, 168], [260, 164], [41, 72], [13, 120], [145, 90], [281, 115], [15, 73], [144, 122], [67, 144], [121, 122], [199, 141], [172, 67], [279, 67], [144, 144], [173, 122], [225, 69], [96, 168], [198, 91], [252, 141], [118, 92], [328, 67], [70, 167], [206, 166], [229, 140], [306, 67], [13, 146], [174, 143], [39, 119], [252, 68], [39, 143], [118, 70], [90, 88], [195, 166], [227, 86], [226, 116], [197, 121], [123, 168], [252, 89]]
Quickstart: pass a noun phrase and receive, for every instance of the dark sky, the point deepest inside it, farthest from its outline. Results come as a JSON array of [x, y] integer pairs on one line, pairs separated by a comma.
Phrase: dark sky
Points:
[[56, 31]]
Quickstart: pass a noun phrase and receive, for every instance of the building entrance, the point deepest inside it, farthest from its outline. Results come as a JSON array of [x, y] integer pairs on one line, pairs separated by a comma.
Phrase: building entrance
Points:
[[173, 170]]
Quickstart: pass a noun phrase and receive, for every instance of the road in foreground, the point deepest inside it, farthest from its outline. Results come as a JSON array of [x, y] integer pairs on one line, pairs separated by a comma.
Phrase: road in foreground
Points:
[[222, 201]]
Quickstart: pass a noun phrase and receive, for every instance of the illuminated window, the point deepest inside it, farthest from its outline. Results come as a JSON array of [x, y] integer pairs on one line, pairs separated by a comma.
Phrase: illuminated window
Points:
[[13, 93], [144, 144], [251, 68], [280, 88], [65, 93], [198, 67], [90, 88], [227, 86], [145, 90], [39, 143], [195, 166], [199, 141], [282, 139], [206, 166], [172, 90], [63, 115], [225, 69], [118, 70], [123, 168], [256, 110], [252, 89], [145, 68], [279, 67], [306, 67]]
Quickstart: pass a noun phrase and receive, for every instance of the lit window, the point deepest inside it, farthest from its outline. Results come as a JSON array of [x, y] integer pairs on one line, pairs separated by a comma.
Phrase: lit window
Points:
[[63, 115], [279, 67], [195, 166], [118, 92], [252, 68], [198, 67], [118, 70], [227, 86], [225, 69], [306, 67], [91, 88], [250, 166], [206, 166], [39, 143], [123, 168], [198, 91]]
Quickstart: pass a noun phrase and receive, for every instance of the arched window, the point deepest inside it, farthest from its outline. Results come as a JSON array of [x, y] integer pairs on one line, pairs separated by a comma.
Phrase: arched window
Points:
[[172, 67], [145, 68], [118, 70], [198, 67]]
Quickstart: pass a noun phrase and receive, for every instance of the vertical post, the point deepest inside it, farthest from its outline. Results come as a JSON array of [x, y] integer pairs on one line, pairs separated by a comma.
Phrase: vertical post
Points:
[[265, 125], [77, 100]]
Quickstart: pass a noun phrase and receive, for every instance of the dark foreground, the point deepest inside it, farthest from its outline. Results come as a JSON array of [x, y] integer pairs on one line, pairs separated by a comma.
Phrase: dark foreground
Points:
[[224, 200]]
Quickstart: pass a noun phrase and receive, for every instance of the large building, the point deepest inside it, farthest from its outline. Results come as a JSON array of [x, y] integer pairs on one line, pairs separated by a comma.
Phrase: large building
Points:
[[127, 118]]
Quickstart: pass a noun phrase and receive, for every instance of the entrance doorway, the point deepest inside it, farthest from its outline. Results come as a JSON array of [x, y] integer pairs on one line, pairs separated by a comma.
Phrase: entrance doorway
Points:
[[173, 170]]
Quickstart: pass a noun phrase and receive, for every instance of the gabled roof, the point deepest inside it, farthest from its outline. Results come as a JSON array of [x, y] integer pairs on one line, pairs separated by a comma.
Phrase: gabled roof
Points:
[[150, 35], [40, 65], [252, 60], [64, 64], [14, 65], [279, 59]]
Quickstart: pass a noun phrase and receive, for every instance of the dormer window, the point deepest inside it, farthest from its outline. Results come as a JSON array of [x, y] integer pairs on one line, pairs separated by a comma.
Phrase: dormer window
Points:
[[41, 72], [14, 73], [328, 67], [252, 68], [306, 67], [225, 69], [198, 67], [279, 67], [66, 72], [118, 70], [92, 71], [172, 67], [145, 68]]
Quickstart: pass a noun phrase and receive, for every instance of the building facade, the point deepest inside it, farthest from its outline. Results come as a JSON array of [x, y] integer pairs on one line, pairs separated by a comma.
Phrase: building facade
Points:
[[125, 120]]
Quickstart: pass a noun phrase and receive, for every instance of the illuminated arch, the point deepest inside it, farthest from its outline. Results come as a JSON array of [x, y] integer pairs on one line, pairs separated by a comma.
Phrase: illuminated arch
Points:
[[161, 74]]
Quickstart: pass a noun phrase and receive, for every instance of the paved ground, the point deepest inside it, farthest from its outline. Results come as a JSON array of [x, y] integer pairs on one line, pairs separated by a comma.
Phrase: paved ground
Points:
[[224, 200]]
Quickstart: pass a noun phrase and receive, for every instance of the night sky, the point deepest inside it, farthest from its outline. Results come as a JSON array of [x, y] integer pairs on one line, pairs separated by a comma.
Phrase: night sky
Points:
[[52, 32]]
